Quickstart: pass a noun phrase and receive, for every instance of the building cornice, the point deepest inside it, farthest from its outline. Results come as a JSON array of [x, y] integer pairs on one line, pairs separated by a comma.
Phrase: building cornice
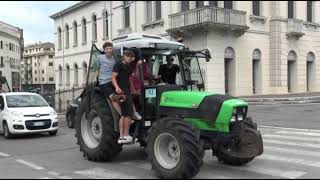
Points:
[[70, 9]]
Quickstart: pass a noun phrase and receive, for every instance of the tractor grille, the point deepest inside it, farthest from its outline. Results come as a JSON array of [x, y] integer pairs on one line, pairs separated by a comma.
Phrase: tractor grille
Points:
[[38, 124]]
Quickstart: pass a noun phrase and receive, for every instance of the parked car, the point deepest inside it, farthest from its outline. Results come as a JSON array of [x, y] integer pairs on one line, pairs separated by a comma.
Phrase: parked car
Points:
[[24, 112], [71, 112]]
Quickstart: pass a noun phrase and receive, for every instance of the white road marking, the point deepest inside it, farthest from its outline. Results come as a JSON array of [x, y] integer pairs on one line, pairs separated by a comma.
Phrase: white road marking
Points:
[[99, 173], [298, 144], [293, 129], [290, 160], [58, 175], [140, 164], [292, 151], [298, 138], [300, 133], [45, 178], [291, 174], [4, 154], [30, 164]]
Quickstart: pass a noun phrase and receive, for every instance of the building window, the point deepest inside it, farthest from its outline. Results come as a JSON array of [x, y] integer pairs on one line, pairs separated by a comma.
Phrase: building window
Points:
[[149, 11], [158, 10], [50, 56], [126, 16], [68, 75], [59, 39], [199, 4], [94, 28], [60, 75], [75, 33], [256, 8], [42, 71], [84, 31], [1, 63], [290, 10], [213, 3], [50, 78], [50, 63], [309, 11], [185, 6], [35, 72], [228, 4], [42, 79], [67, 36], [85, 72], [75, 75], [1, 44], [105, 24], [35, 79]]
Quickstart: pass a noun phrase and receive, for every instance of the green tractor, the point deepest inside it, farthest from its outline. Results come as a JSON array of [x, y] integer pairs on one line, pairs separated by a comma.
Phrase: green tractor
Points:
[[179, 122]]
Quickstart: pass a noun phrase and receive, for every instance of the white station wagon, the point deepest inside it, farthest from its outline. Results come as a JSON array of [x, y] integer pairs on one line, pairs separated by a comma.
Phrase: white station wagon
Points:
[[24, 112]]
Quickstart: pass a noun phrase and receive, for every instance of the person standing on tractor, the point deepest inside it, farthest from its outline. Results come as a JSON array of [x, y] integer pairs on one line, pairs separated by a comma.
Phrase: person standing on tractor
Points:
[[122, 82], [169, 71], [104, 73]]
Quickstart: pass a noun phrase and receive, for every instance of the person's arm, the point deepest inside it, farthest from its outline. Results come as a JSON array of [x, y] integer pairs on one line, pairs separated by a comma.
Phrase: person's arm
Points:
[[114, 76], [115, 83]]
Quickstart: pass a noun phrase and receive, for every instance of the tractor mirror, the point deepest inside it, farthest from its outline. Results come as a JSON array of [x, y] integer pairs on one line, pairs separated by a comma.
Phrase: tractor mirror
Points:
[[208, 55]]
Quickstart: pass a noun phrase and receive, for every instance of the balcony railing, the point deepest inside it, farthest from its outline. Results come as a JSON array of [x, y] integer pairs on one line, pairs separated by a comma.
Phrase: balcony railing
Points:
[[208, 15], [295, 28]]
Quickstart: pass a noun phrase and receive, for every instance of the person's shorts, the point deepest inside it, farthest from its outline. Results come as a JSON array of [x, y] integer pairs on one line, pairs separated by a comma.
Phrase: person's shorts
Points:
[[107, 89], [127, 106]]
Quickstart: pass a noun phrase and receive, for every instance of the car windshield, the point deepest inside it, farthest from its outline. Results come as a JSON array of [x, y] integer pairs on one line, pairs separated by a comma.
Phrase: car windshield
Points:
[[16, 101]]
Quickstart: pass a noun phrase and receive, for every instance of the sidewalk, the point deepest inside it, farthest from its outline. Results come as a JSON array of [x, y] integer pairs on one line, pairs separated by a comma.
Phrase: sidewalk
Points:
[[292, 98]]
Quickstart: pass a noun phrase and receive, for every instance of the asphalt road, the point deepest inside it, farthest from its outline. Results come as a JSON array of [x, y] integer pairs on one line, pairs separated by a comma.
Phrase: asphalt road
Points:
[[288, 153]]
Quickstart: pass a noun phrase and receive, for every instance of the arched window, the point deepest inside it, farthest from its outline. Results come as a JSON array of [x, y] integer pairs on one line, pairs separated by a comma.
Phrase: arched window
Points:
[[94, 27], [60, 75], [256, 54], [75, 33], [84, 31], [85, 72], [67, 36], [291, 9], [256, 8], [105, 24], [67, 75], [311, 56], [59, 38], [75, 75]]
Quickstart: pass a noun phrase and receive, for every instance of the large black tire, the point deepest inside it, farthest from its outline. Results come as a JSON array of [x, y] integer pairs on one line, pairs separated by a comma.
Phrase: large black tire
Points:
[[185, 142], [107, 147], [232, 160], [6, 131]]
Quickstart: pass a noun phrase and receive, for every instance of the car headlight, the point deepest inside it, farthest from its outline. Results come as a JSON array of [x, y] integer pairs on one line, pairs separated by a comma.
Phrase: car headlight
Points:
[[52, 113], [17, 115]]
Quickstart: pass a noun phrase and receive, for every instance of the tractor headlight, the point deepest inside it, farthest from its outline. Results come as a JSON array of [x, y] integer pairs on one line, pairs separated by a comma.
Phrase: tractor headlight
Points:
[[238, 114]]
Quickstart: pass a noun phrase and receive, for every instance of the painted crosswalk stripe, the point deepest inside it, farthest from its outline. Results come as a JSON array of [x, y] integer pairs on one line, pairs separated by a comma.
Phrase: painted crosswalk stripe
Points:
[[292, 151], [297, 161], [99, 173], [58, 175], [298, 138], [298, 144], [288, 174], [4, 154], [299, 133], [29, 164]]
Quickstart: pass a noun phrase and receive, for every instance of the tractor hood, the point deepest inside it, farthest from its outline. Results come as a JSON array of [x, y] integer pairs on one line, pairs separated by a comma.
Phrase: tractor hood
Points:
[[191, 104]]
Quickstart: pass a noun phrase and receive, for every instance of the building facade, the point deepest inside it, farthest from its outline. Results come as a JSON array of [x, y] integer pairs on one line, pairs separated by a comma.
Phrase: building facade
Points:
[[259, 47], [37, 67], [11, 49]]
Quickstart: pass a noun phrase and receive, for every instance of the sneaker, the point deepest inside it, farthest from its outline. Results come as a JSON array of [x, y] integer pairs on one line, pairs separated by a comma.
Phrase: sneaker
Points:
[[127, 139], [120, 140], [137, 116]]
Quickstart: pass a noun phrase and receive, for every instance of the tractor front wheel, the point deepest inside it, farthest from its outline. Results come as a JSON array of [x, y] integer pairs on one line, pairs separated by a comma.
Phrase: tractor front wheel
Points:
[[174, 149]]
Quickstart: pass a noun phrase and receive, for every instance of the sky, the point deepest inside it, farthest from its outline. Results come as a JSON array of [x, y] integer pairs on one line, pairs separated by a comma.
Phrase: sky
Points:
[[33, 17]]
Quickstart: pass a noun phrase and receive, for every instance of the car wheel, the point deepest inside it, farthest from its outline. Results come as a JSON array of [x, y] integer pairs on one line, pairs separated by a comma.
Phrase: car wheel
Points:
[[6, 131], [53, 133]]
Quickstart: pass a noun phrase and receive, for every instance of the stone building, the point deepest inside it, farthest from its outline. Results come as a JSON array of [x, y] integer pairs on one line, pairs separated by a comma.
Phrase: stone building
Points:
[[37, 67], [259, 47], [11, 49]]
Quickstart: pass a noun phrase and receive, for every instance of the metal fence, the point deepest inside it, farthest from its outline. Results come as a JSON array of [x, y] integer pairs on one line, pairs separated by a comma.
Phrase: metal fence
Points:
[[61, 99]]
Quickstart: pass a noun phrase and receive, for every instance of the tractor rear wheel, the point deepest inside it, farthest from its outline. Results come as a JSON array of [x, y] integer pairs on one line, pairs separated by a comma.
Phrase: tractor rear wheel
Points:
[[174, 149], [95, 131]]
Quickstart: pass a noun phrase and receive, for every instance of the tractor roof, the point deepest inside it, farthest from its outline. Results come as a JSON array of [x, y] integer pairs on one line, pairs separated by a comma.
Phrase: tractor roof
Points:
[[139, 40]]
